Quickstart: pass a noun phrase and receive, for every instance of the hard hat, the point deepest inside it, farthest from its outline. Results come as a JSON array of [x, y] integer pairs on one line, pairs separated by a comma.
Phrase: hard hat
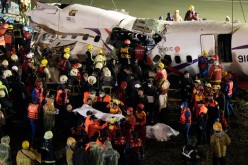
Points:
[[77, 66], [38, 83], [112, 120], [160, 65], [5, 63], [74, 72], [63, 79], [67, 50], [25, 28], [127, 42], [90, 47], [91, 80], [208, 85], [99, 65], [225, 73], [130, 109], [99, 51], [191, 7], [5, 26], [216, 87], [70, 141], [7, 73], [217, 126], [98, 58], [30, 55], [48, 135], [66, 55], [204, 52], [44, 62], [10, 27], [198, 81], [107, 73], [25, 144], [14, 57], [177, 11], [2, 94], [141, 106], [15, 68]]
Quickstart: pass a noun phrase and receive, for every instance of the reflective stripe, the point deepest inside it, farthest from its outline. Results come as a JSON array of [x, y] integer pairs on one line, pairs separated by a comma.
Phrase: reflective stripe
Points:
[[33, 111], [48, 161], [187, 155]]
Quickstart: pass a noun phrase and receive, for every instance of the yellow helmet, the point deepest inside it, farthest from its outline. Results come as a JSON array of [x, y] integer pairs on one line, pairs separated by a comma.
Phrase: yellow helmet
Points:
[[191, 7], [70, 141], [7, 73], [112, 120], [2, 94], [48, 135], [5, 63], [90, 47], [25, 144], [67, 50], [225, 73], [99, 51], [10, 27], [217, 126], [44, 62], [204, 52], [161, 65], [14, 57], [74, 72], [208, 85], [66, 56], [216, 87]]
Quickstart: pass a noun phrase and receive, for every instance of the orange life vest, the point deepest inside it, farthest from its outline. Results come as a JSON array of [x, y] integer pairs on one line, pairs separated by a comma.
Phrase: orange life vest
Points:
[[106, 98], [59, 100], [183, 117], [33, 111], [203, 109], [137, 143]]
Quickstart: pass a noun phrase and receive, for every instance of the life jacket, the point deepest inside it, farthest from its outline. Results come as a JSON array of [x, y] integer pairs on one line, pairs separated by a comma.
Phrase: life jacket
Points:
[[62, 64], [116, 110], [120, 141], [59, 100], [211, 104], [33, 111], [140, 117], [215, 74], [183, 117], [203, 109], [8, 37], [125, 52], [41, 72], [106, 98], [136, 143], [139, 52], [130, 119], [230, 89]]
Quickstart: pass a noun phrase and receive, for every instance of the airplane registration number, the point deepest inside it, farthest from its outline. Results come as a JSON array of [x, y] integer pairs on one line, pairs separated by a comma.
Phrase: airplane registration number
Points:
[[243, 58]]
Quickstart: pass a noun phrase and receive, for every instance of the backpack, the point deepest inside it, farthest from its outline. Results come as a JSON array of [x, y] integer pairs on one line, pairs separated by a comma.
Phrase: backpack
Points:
[[96, 153], [110, 157]]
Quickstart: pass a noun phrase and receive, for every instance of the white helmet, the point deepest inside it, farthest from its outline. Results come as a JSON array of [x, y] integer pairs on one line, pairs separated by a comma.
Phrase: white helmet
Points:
[[107, 73], [30, 55], [98, 58], [63, 79], [15, 68], [14, 57], [25, 28], [7, 73], [74, 72], [99, 65]]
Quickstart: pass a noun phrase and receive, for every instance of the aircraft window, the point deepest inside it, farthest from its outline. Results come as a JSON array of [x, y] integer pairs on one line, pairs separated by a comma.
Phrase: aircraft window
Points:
[[45, 36], [86, 36], [53, 36], [189, 59], [156, 58], [167, 60], [74, 36], [97, 38], [72, 12], [178, 59], [64, 36]]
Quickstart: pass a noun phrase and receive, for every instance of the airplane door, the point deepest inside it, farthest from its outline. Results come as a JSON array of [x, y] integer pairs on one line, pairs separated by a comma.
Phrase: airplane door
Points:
[[208, 43]]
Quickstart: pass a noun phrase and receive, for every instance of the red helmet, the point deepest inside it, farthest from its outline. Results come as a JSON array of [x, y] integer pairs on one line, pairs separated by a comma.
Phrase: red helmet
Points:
[[216, 57], [130, 109], [38, 83], [141, 106], [127, 42]]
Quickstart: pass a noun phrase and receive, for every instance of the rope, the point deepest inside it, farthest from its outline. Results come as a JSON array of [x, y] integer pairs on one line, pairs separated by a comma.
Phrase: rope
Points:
[[242, 10]]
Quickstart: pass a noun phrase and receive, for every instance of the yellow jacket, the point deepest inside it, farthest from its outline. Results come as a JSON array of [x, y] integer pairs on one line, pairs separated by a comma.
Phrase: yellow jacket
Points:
[[25, 157], [69, 153], [219, 141]]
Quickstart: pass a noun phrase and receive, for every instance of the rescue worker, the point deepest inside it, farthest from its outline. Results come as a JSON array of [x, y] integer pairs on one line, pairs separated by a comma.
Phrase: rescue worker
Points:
[[87, 121], [140, 125], [43, 72], [169, 17], [121, 92], [110, 155], [9, 39], [95, 127], [5, 142], [219, 142], [18, 33], [199, 96], [207, 89], [177, 16], [49, 113], [114, 107], [203, 64], [13, 61], [47, 150], [113, 127], [4, 66], [185, 120], [27, 37], [70, 144], [5, 5], [140, 54], [38, 93], [89, 59], [100, 57], [228, 91], [215, 72], [25, 155], [120, 145], [91, 94], [142, 99], [65, 65], [130, 123], [190, 153], [186, 87], [103, 100], [190, 15], [202, 122], [126, 54], [161, 73], [213, 113]]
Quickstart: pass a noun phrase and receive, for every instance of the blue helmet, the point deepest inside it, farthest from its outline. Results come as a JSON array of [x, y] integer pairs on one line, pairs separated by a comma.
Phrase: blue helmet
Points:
[[161, 18]]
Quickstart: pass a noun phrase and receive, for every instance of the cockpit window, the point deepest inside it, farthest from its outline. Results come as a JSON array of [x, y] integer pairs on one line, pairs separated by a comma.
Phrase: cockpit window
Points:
[[45, 36], [72, 13]]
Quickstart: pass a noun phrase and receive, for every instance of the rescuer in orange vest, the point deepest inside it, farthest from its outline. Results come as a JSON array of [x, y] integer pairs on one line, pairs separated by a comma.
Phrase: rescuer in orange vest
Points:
[[33, 116], [95, 127], [140, 125], [215, 72], [130, 123], [185, 120], [202, 122], [9, 39]]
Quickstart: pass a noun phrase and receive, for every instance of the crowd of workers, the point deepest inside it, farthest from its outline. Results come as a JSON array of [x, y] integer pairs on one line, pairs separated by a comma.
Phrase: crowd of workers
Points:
[[119, 85]]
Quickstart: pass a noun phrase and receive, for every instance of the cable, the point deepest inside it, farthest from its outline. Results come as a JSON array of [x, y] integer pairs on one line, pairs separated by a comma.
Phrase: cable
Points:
[[242, 10], [114, 4]]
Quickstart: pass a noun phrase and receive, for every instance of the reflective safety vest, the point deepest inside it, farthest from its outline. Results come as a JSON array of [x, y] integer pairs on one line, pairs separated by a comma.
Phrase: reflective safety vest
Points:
[[203, 109], [18, 33], [33, 111], [230, 88], [137, 143], [59, 100], [212, 104], [125, 53], [183, 117], [106, 98], [120, 141]]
